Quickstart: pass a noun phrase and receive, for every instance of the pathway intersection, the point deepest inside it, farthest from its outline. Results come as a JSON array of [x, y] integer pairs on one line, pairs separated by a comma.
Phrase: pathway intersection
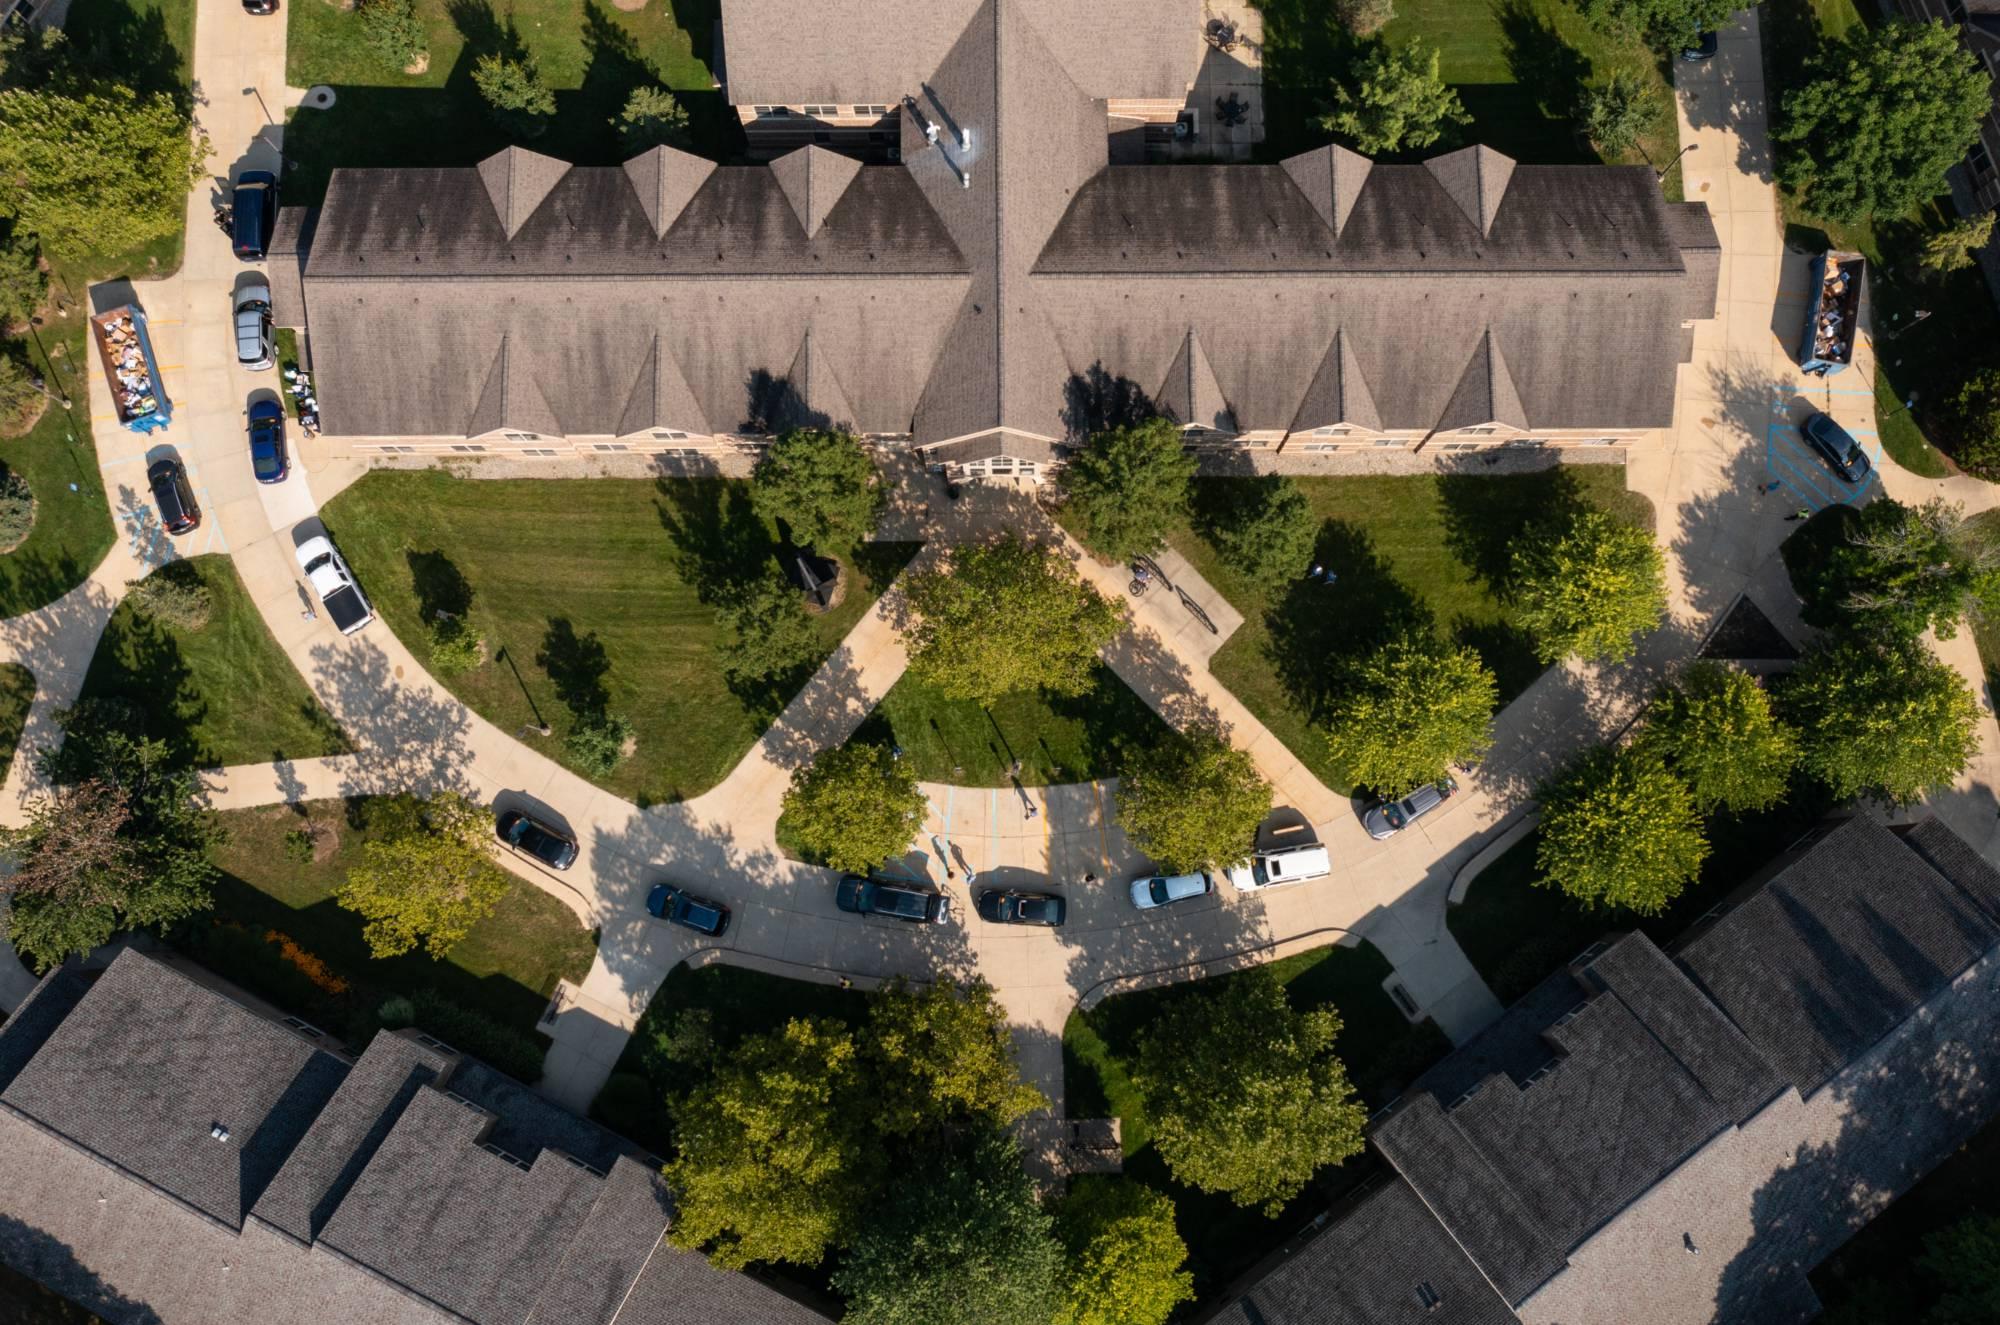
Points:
[[1736, 400]]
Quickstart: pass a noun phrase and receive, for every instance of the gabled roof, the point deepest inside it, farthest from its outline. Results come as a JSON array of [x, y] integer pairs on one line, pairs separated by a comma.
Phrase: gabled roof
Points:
[[665, 180], [1485, 393], [1330, 177], [815, 399], [517, 181], [661, 397], [814, 179], [1476, 178], [1190, 396], [1339, 393], [511, 399]]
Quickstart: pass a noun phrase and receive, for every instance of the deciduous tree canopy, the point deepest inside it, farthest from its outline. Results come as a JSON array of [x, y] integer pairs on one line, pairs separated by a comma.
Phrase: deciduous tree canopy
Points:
[[1267, 528], [1620, 830], [854, 806], [1588, 588], [429, 879], [1124, 1254], [1192, 801], [1716, 731], [821, 483], [1410, 710], [1905, 569], [1883, 718], [942, 1056], [1130, 485]]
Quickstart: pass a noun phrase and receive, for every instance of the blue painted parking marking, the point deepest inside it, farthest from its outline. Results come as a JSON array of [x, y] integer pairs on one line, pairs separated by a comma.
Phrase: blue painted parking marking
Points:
[[1801, 472]]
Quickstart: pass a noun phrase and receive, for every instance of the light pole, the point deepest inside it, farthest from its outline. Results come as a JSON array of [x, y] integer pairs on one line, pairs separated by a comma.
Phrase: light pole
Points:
[[1661, 173], [1894, 332]]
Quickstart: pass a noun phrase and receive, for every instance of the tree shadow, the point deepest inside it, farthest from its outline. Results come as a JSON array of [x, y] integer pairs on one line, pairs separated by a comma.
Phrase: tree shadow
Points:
[[1316, 625], [50, 1261], [773, 405], [139, 670], [577, 665], [718, 537], [1545, 66], [439, 585], [1094, 400], [127, 44], [485, 32], [1303, 41], [1485, 515]]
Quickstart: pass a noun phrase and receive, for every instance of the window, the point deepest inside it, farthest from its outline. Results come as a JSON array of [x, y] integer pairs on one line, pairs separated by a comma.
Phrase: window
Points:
[[1428, 1296], [1597, 441], [540, 450], [394, 450], [822, 110], [1478, 432], [1459, 446], [772, 112], [1527, 443], [472, 447], [871, 110], [1978, 162], [668, 435], [1331, 432], [1388, 441], [522, 436], [609, 446], [1322, 446]]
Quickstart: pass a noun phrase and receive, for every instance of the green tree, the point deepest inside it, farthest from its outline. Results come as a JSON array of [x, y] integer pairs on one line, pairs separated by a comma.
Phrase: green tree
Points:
[[1364, 18], [1410, 710], [1670, 25], [768, 638], [456, 646], [651, 118], [596, 742], [517, 98], [429, 879], [1123, 1254], [20, 405], [1192, 801], [1972, 416], [1616, 112], [777, 1155], [1394, 100], [1619, 830], [394, 32], [1007, 616], [1588, 589], [96, 167], [17, 499], [1956, 247], [23, 283], [854, 806], [120, 841], [1267, 528], [942, 1055], [1246, 1094], [175, 595], [820, 483], [1716, 731], [1883, 113], [960, 1241], [1963, 1260], [1883, 718], [1906, 569], [1131, 486]]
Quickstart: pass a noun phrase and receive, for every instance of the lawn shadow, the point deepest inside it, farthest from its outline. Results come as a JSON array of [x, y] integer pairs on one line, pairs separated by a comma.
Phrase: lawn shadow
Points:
[[440, 586], [128, 45], [577, 665], [1485, 515], [1547, 70], [1316, 625], [139, 667], [719, 539]]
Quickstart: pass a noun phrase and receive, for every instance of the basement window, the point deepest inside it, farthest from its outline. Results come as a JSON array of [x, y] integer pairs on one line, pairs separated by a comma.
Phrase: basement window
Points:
[[1479, 432], [871, 110], [772, 112]]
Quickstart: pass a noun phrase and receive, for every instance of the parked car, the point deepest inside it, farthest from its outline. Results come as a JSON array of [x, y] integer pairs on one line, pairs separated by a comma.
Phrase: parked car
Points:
[[268, 458], [174, 495], [253, 327], [1274, 869], [1388, 818], [334, 583], [676, 907], [536, 840], [253, 213], [1704, 48], [1151, 890], [879, 897], [1839, 449], [260, 6], [1011, 908]]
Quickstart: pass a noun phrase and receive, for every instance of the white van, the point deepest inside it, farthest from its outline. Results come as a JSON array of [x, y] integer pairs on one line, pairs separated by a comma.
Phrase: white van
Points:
[[1274, 869]]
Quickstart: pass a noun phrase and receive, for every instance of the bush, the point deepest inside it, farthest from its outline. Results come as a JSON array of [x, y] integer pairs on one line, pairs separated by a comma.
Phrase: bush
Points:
[[174, 595], [519, 101], [396, 1013], [597, 744], [20, 399], [23, 283], [245, 957], [651, 118], [1267, 530], [394, 32], [299, 846], [455, 646], [1364, 18], [516, 1053], [1617, 112], [17, 508], [1973, 417]]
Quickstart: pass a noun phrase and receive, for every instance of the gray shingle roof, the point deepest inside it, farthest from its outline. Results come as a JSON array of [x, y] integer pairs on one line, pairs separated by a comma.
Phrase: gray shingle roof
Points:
[[1837, 949], [148, 1063], [1385, 1261]]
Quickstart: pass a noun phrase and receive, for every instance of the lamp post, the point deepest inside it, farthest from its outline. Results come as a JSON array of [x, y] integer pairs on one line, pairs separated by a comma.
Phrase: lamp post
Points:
[[1661, 173]]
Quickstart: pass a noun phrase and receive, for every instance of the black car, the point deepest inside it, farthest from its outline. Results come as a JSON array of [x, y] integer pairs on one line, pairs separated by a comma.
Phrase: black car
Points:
[[174, 495], [878, 897], [1704, 48], [1009, 908], [537, 840], [684, 908], [253, 213], [260, 6], [268, 460], [1840, 451]]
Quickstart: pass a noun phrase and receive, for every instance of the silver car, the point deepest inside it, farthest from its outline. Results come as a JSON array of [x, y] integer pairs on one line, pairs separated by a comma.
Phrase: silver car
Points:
[[1153, 890], [253, 327], [1388, 818]]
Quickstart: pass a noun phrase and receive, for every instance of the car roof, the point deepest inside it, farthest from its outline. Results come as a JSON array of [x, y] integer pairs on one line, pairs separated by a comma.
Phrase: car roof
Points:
[[266, 409]]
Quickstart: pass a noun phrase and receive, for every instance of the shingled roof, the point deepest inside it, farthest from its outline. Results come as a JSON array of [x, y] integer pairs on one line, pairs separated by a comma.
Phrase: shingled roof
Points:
[[174, 1157], [985, 282]]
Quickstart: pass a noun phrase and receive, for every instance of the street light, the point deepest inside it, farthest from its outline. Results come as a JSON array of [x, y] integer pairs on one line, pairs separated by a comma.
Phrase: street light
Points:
[[1661, 173]]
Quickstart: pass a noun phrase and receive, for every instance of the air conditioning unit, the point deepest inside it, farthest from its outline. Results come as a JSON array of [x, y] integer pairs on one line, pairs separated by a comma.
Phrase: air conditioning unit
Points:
[[1187, 125]]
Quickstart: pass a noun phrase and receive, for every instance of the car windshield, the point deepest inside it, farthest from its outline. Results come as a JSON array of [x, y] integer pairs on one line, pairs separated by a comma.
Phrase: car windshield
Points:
[[1159, 890], [263, 458], [1034, 908], [1855, 455], [1396, 815]]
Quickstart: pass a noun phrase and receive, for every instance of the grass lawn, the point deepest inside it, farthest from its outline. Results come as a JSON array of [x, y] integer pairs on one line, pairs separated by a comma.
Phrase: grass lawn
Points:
[[591, 54], [737, 1003], [1516, 933], [1520, 67], [1428, 546], [17, 694], [220, 695], [1986, 629], [1056, 739], [1929, 360], [72, 530], [1383, 1053], [505, 968], [588, 592]]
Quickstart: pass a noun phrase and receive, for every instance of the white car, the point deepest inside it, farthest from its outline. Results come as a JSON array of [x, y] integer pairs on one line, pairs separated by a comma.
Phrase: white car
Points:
[[334, 583], [1275, 869]]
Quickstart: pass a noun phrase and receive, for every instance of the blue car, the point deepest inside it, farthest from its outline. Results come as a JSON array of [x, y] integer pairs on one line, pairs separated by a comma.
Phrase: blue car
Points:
[[268, 460], [879, 897], [253, 214], [1841, 452], [1153, 890], [536, 840], [682, 908]]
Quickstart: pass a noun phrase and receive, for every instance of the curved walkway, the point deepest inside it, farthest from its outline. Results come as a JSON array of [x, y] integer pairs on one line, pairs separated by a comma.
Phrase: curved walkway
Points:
[[1705, 482]]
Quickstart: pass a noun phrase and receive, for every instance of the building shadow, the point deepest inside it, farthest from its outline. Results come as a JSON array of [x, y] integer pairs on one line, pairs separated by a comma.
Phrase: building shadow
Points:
[[50, 1261]]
